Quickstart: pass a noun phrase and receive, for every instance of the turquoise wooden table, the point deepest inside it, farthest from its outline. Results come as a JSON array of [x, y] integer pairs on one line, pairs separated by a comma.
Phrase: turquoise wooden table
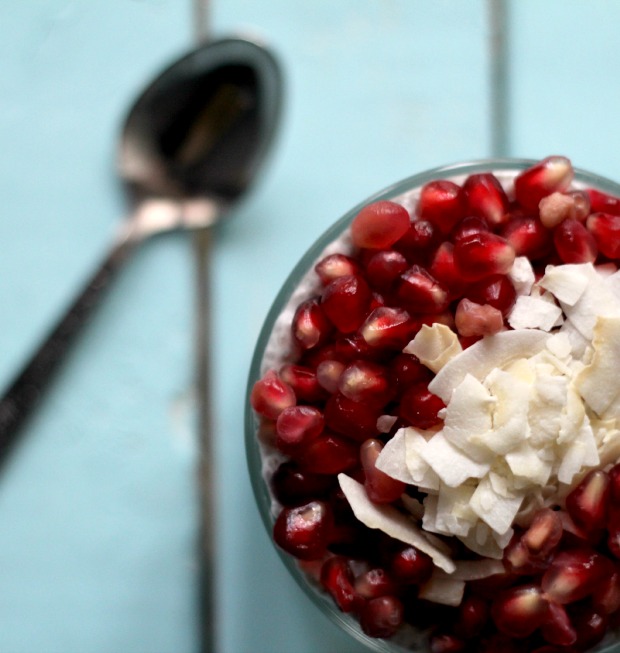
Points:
[[98, 504]]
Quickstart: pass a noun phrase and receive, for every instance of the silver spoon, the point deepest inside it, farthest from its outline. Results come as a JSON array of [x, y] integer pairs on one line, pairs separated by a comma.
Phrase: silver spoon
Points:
[[190, 147]]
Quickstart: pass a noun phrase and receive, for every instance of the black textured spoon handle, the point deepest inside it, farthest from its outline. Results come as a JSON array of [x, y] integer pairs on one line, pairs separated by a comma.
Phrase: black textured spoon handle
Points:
[[26, 389]]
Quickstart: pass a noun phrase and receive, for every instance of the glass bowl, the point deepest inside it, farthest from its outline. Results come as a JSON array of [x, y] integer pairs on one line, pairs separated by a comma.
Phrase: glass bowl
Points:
[[278, 318]]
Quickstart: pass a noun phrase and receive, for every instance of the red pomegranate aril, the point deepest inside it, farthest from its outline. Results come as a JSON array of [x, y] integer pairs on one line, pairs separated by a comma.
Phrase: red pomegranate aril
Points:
[[574, 243], [336, 265], [543, 534], [600, 201], [356, 420], [384, 268], [375, 582], [379, 225], [441, 203], [421, 292], [337, 579], [473, 614], [529, 237], [582, 204], [419, 241], [381, 617], [605, 228], [590, 626], [614, 484], [486, 198], [557, 628], [575, 574], [270, 395], [297, 426], [497, 291], [518, 559], [483, 254], [406, 370], [303, 381], [328, 373], [328, 454], [473, 319], [468, 227], [409, 566], [606, 597], [555, 173], [588, 503], [293, 486], [519, 611], [380, 487], [303, 531], [556, 208], [420, 407], [443, 268], [365, 381], [310, 326], [346, 301], [446, 643], [388, 328]]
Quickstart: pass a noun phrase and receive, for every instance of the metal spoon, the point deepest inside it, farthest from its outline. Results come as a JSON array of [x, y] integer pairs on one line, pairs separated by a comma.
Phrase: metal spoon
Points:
[[190, 148]]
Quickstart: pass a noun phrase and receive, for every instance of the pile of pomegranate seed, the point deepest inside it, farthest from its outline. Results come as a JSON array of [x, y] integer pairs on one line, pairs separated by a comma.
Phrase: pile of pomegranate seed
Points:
[[351, 387]]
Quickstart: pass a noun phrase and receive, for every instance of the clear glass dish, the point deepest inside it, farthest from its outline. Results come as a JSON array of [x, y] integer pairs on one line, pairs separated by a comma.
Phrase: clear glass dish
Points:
[[258, 475]]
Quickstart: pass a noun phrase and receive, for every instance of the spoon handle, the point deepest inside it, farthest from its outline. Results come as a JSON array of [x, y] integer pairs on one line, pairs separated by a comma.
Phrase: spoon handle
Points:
[[27, 387]]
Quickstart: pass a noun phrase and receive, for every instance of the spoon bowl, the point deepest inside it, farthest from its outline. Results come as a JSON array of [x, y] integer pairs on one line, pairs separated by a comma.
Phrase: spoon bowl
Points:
[[190, 148]]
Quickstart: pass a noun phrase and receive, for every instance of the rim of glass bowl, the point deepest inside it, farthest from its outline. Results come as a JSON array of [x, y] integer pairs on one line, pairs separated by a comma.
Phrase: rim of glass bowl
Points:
[[306, 262]]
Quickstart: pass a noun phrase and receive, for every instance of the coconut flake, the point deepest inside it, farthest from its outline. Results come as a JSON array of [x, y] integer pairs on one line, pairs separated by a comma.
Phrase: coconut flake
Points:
[[388, 519], [449, 463], [522, 275], [534, 313], [392, 460], [442, 589], [434, 345]]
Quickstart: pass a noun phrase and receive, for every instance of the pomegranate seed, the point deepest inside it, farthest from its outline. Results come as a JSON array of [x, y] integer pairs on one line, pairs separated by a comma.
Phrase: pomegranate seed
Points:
[[557, 629], [328, 454], [406, 370], [384, 268], [337, 579], [497, 291], [388, 328], [574, 243], [303, 531], [310, 326], [446, 643], [469, 226], [614, 483], [606, 597], [354, 419], [421, 292], [441, 203], [420, 407], [293, 486], [520, 560], [473, 319], [556, 208], [486, 198], [543, 534], [409, 566], [483, 254], [529, 237], [270, 395], [336, 265], [379, 225], [419, 241], [582, 204], [575, 574], [555, 173], [328, 373], [473, 614], [297, 426], [519, 611], [345, 301], [603, 202], [303, 381], [590, 626], [498, 643], [365, 381], [380, 487], [606, 231], [588, 503], [381, 617], [443, 268], [375, 582]]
